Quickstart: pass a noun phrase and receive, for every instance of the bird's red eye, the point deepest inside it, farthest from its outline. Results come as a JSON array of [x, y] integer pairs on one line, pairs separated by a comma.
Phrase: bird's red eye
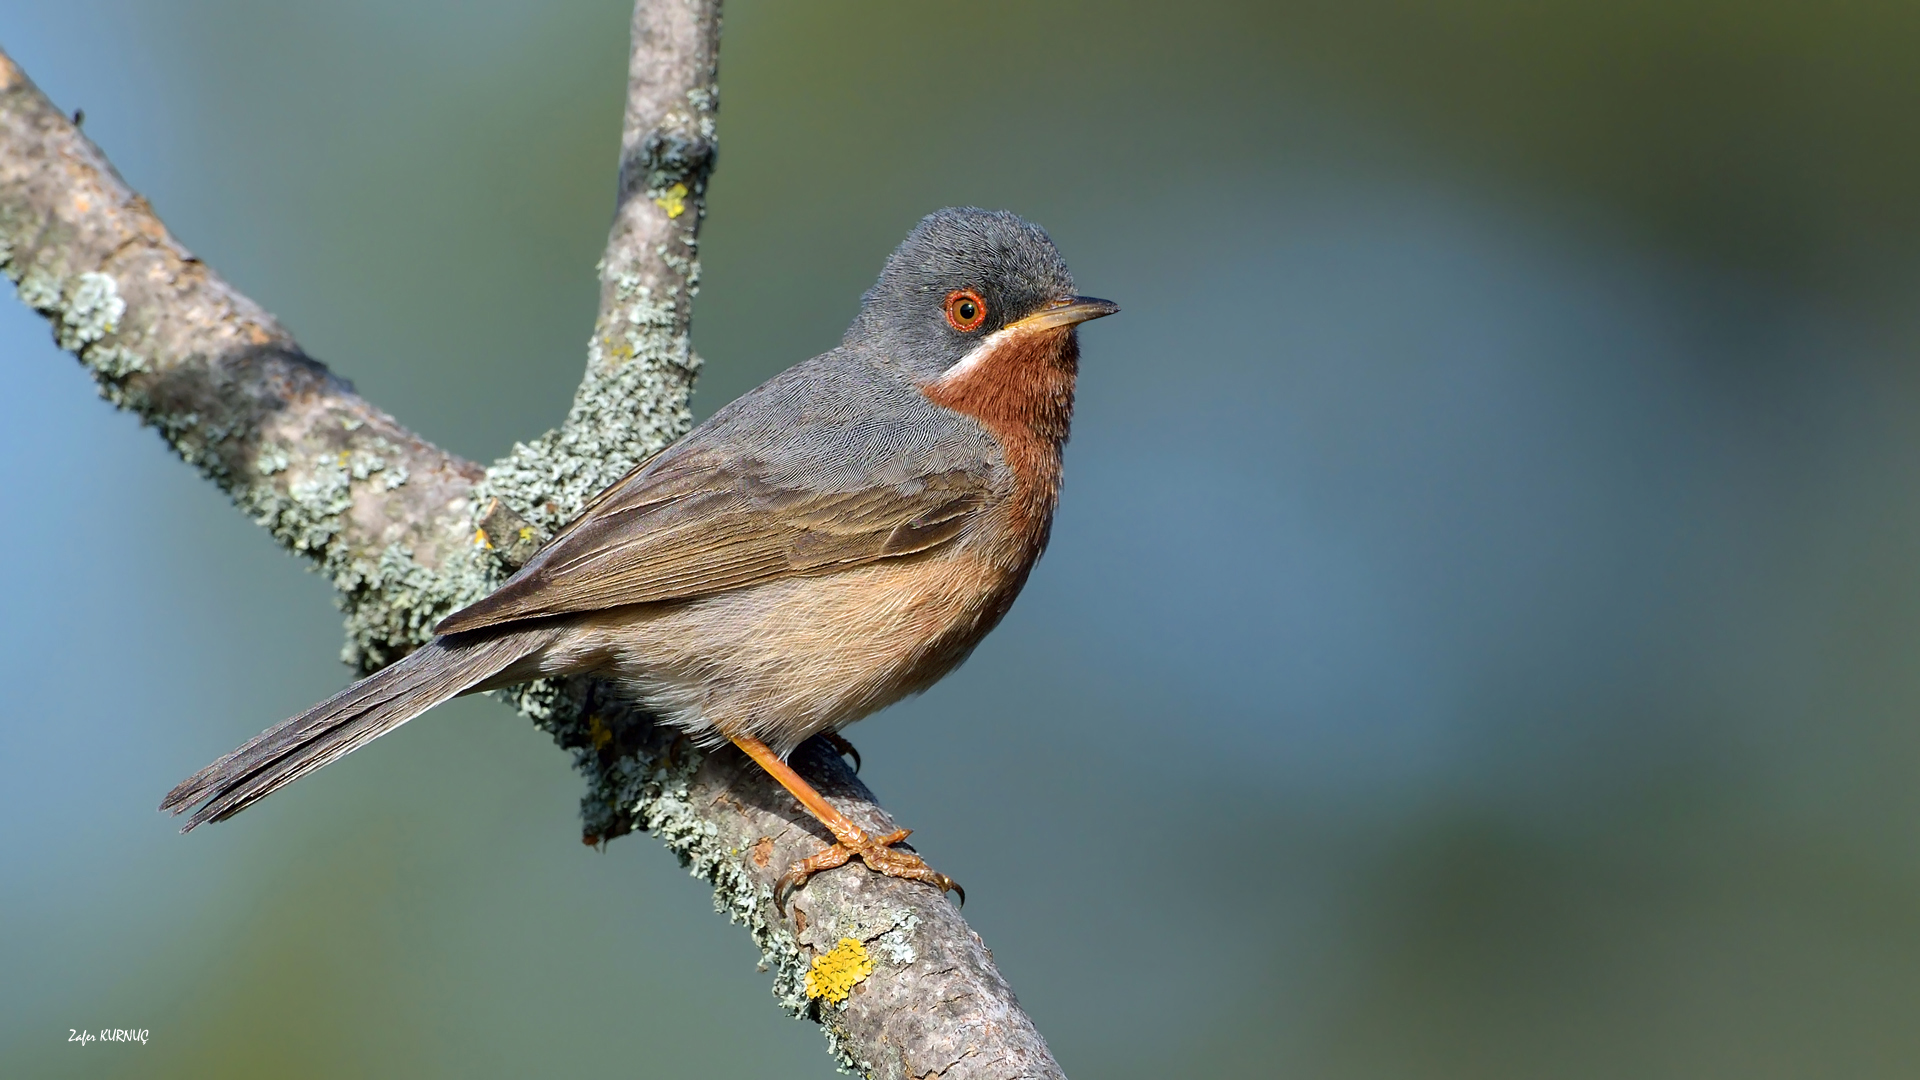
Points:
[[965, 310]]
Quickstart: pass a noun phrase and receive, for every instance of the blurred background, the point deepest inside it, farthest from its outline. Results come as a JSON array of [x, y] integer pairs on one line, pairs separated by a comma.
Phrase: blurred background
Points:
[[1478, 640]]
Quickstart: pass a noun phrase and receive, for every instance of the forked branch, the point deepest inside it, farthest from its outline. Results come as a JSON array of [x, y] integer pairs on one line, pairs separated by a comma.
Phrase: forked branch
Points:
[[408, 532]]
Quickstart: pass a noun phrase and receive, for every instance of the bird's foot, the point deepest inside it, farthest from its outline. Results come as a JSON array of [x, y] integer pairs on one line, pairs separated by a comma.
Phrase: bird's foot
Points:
[[842, 747], [849, 839], [880, 856]]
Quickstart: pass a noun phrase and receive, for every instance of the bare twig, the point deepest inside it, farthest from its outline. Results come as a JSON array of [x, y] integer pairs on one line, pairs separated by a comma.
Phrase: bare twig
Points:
[[409, 532]]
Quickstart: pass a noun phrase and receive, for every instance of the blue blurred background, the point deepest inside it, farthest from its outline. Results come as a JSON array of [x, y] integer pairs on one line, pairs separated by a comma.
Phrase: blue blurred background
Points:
[[1478, 639]]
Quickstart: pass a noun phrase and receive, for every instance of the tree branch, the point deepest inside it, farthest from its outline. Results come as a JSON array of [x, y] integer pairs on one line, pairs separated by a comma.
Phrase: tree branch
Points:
[[640, 361], [408, 532], [382, 511]]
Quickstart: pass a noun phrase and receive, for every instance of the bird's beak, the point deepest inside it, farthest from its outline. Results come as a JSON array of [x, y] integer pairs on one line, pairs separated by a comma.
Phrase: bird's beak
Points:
[[1068, 312]]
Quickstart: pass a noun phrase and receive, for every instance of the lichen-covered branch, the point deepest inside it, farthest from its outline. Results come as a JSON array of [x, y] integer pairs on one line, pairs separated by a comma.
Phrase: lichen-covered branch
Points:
[[922, 998], [382, 511], [409, 532], [640, 360]]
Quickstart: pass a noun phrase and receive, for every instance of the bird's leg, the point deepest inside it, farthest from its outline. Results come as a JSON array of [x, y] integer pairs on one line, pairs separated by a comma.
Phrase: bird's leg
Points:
[[849, 839]]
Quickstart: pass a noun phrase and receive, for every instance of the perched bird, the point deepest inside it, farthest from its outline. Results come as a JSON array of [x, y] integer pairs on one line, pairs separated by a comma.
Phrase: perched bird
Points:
[[829, 543]]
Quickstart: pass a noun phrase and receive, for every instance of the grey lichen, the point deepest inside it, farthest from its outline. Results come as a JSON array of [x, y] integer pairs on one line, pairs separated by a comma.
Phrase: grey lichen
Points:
[[92, 312], [308, 514], [114, 363], [38, 289], [272, 459], [705, 103], [83, 313], [392, 602], [897, 943], [631, 404]]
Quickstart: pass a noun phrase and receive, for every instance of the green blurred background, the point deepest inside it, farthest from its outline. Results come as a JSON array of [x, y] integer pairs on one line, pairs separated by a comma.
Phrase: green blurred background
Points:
[[1478, 640]]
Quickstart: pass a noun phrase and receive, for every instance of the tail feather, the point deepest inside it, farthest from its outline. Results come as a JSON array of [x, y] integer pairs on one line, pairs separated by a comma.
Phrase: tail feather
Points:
[[377, 704]]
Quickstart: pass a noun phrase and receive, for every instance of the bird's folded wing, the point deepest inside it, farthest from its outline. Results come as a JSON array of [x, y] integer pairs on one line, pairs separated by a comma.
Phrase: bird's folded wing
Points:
[[690, 530]]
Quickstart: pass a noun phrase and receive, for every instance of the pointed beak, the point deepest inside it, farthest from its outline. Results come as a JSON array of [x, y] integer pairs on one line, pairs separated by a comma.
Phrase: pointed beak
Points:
[[1068, 312]]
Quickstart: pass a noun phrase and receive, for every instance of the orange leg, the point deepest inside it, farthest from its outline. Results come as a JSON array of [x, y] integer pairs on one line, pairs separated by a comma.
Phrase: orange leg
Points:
[[849, 839]]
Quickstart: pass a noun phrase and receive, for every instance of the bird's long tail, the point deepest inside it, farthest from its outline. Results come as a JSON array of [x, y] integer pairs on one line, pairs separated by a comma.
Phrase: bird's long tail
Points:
[[433, 673]]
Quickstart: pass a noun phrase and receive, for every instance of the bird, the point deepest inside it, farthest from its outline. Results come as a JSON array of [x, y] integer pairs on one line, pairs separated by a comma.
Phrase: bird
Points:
[[834, 540]]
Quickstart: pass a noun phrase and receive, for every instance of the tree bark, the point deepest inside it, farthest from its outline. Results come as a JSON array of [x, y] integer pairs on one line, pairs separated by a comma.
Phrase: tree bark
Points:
[[409, 533]]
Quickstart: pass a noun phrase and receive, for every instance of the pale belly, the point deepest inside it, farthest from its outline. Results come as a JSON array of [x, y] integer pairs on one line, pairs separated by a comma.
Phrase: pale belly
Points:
[[788, 659]]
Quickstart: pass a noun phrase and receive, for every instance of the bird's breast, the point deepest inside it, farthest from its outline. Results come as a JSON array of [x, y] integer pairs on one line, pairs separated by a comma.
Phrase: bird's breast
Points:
[[1019, 386]]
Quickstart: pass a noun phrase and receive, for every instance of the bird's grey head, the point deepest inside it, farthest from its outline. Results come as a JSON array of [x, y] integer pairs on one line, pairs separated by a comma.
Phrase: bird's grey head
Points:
[[961, 275]]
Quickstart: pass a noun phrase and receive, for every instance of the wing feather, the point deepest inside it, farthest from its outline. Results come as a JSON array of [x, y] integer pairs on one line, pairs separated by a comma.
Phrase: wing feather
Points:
[[690, 528]]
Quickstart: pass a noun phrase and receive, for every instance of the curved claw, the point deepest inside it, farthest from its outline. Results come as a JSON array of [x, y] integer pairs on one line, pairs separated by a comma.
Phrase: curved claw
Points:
[[797, 874], [842, 747]]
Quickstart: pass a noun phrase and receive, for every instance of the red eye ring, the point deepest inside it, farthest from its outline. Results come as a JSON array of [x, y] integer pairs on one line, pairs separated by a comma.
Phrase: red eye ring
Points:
[[966, 312]]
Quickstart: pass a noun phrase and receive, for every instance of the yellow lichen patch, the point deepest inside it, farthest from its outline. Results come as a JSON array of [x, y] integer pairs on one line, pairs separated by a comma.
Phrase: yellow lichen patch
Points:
[[480, 539], [834, 975], [673, 200], [599, 732], [620, 351]]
